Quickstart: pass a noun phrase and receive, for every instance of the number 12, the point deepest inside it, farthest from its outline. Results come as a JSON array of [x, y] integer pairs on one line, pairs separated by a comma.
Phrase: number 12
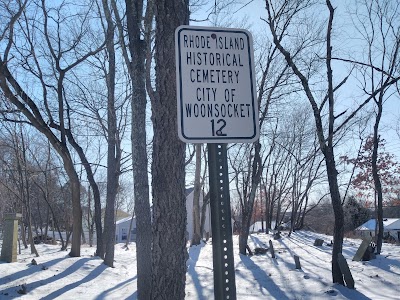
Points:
[[218, 132]]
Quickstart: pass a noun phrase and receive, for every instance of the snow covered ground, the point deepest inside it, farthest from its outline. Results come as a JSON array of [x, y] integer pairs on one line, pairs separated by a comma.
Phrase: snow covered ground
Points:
[[57, 276]]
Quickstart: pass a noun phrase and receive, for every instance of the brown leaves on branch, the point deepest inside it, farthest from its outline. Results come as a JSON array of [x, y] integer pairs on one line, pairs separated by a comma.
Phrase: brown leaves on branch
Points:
[[389, 172]]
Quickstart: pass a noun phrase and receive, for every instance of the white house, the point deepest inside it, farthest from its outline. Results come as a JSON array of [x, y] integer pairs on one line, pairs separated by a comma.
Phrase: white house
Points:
[[122, 229], [391, 226]]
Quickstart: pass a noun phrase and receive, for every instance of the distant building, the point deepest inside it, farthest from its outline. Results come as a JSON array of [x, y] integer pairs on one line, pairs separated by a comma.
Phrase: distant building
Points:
[[122, 230], [391, 228]]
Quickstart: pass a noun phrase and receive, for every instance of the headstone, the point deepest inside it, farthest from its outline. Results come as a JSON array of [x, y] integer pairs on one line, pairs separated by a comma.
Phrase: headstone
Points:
[[297, 261], [10, 237], [369, 253], [361, 250], [318, 242], [271, 249], [344, 268]]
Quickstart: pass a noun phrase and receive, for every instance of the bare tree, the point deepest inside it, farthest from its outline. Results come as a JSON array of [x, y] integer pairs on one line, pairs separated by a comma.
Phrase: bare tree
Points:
[[63, 55], [136, 52], [113, 146]]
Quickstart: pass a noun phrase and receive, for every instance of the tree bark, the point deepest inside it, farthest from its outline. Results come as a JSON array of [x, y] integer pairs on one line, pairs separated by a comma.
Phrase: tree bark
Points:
[[196, 199], [375, 175], [137, 70], [338, 231], [206, 202], [112, 144], [256, 172], [168, 164]]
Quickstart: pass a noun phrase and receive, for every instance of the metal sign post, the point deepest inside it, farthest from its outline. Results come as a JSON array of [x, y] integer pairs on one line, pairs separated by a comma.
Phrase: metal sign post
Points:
[[223, 262]]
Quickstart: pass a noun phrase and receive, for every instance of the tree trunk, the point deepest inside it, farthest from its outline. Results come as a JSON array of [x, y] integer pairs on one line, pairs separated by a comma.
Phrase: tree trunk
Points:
[[206, 202], [338, 231], [268, 208], [137, 48], [375, 175], [244, 232], [112, 151], [76, 208], [196, 199], [96, 194], [256, 171], [168, 164], [47, 222], [23, 234], [25, 190]]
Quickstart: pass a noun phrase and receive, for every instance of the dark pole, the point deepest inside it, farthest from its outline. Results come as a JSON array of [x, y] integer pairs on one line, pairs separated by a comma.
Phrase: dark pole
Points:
[[223, 263]]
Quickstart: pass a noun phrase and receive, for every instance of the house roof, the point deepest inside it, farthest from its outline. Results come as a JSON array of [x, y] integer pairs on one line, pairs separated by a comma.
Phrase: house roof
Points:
[[388, 224], [188, 191], [124, 220]]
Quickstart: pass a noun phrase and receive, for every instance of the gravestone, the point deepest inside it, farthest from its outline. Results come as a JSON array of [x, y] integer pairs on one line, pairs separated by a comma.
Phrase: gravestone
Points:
[[10, 237], [344, 268], [370, 252], [361, 250], [318, 242], [297, 261], [271, 249]]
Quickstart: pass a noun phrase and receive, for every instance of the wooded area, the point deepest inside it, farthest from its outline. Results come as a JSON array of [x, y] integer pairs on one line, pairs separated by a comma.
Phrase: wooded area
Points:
[[88, 125]]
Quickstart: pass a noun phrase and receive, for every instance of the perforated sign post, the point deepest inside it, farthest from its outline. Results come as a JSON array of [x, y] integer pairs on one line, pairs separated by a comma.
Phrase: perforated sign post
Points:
[[217, 105]]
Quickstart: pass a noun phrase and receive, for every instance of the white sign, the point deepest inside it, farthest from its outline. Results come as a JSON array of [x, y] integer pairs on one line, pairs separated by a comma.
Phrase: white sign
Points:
[[215, 85]]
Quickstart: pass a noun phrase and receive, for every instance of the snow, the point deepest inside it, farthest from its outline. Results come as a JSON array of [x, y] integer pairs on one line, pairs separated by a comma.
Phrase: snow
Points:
[[58, 276]]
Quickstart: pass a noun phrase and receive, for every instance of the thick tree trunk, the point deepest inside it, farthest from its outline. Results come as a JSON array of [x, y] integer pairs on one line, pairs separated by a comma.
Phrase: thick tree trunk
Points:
[[168, 165]]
